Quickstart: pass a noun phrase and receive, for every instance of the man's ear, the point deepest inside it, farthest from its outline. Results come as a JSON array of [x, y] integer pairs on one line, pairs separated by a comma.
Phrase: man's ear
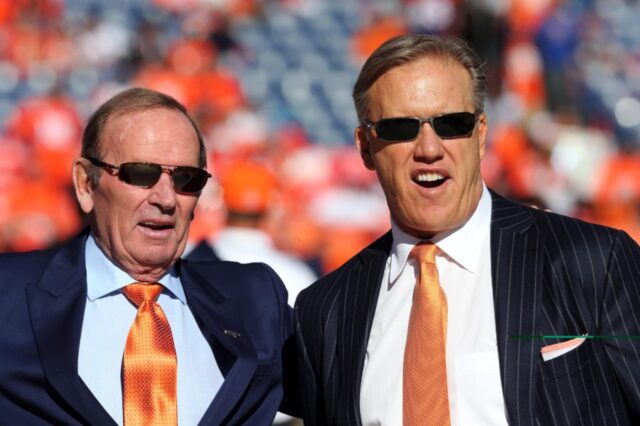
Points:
[[82, 184], [482, 134], [362, 142]]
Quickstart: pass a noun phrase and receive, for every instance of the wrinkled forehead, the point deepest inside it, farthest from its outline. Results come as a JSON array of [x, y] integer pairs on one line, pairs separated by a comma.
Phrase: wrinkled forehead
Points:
[[159, 132], [428, 84], [440, 66]]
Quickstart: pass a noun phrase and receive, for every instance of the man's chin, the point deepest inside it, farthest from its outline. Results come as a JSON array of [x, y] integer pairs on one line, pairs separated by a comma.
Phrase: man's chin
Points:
[[426, 228], [155, 258]]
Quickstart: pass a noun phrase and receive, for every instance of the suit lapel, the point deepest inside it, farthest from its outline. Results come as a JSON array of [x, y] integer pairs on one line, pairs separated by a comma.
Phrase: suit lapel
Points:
[[355, 319], [516, 267], [56, 309], [219, 321]]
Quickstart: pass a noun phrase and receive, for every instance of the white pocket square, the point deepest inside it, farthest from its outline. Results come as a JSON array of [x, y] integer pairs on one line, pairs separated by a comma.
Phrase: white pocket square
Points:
[[553, 351]]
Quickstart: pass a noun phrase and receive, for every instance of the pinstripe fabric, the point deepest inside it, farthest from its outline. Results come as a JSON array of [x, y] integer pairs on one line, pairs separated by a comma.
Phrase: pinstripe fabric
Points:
[[552, 275], [332, 328]]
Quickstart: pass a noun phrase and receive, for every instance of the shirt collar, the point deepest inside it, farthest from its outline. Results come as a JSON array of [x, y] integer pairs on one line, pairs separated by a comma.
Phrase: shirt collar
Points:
[[462, 245], [104, 277]]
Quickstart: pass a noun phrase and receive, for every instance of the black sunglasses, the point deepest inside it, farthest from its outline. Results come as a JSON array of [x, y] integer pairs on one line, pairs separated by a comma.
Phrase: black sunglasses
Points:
[[447, 126], [186, 179]]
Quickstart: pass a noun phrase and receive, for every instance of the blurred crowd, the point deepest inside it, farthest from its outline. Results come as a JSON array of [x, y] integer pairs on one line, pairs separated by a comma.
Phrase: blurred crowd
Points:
[[269, 82]]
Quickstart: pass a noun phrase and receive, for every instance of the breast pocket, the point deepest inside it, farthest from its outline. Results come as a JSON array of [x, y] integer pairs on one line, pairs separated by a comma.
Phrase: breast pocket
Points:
[[569, 363], [577, 387]]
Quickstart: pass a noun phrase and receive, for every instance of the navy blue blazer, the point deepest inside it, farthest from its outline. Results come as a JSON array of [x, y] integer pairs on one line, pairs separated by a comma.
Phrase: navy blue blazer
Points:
[[202, 252], [241, 310], [551, 275]]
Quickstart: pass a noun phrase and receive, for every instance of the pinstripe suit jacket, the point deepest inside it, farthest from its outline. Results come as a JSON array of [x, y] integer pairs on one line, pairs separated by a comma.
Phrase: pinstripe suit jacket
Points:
[[552, 275]]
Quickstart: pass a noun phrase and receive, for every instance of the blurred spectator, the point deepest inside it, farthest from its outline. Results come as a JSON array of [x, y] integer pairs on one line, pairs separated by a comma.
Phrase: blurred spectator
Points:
[[557, 41], [523, 75], [486, 28], [50, 127], [40, 215], [250, 191]]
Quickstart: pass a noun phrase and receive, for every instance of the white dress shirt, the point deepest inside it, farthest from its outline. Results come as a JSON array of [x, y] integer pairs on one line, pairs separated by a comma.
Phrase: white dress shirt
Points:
[[108, 317], [473, 374]]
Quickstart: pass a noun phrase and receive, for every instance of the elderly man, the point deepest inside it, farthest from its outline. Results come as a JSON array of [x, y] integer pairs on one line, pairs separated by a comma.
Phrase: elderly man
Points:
[[473, 309], [112, 327]]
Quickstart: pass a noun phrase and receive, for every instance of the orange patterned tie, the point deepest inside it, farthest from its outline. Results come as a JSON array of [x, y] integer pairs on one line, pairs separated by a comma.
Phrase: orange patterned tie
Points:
[[425, 394], [149, 365]]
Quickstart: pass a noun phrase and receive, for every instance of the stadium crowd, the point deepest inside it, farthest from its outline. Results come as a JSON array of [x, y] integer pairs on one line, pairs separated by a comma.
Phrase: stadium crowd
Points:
[[269, 82]]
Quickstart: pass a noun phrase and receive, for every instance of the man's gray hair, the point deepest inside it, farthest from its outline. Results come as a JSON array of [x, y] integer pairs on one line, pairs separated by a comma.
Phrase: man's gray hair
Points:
[[413, 47]]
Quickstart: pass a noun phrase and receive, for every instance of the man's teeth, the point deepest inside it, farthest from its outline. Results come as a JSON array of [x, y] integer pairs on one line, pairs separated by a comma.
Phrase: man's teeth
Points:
[[429, 177]]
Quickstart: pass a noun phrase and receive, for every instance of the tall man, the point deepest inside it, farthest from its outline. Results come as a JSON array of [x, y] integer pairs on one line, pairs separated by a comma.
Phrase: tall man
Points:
[[113, 327], [473, 309]]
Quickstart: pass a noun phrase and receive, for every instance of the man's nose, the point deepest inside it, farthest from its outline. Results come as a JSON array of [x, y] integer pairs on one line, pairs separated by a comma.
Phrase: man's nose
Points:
[[163, 193], [428, 143]]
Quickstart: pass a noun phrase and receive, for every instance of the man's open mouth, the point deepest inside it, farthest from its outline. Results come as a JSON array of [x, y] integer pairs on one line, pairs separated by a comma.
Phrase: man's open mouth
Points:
[[429, 180]]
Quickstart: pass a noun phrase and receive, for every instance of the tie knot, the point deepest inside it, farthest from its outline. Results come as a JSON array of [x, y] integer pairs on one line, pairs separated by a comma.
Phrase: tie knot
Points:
[[425, 252], [139, 292]]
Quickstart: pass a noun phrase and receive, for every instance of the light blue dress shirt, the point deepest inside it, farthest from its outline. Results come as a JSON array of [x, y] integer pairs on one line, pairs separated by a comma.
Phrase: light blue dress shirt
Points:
[[108, 317]]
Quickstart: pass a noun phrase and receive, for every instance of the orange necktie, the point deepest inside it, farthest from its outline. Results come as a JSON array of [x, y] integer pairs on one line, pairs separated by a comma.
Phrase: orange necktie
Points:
[[149, 366], [425, 398]]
